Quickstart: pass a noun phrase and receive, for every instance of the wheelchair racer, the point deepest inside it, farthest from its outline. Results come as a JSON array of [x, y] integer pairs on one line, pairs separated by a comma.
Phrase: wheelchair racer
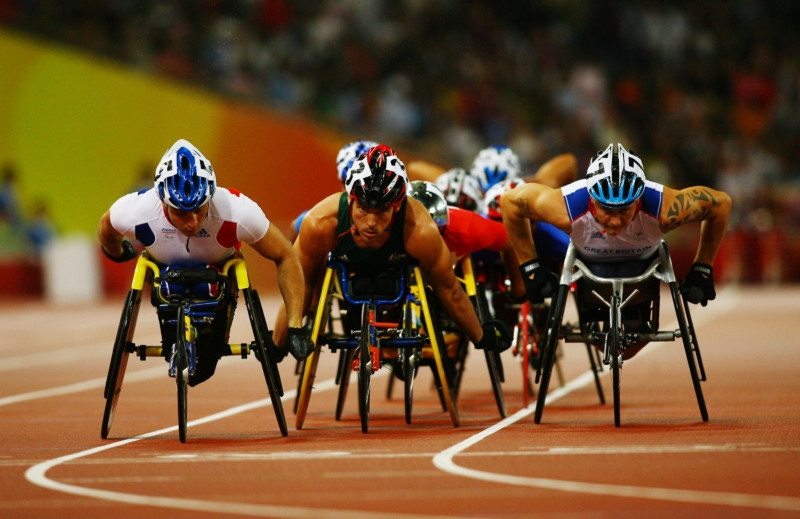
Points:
[[374, 224], [616, 214], [187, 220]]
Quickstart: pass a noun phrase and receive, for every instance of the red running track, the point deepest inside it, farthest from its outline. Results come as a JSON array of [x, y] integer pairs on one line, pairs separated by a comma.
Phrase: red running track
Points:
[[664, 461]]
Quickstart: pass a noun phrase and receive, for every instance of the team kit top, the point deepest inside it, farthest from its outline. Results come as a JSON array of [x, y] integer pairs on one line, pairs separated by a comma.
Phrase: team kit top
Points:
[[637, 241], [232, 218]]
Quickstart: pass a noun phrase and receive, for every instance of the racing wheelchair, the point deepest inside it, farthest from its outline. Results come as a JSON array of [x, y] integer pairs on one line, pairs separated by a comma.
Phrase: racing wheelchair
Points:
[[186, 322], [411, 339], [618, 312], [492, 298]]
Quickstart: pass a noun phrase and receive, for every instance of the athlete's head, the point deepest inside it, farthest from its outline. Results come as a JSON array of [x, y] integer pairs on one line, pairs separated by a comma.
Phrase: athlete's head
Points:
[[615, 178], [432, 198], [377, 180], [460, 189], [184, 178], [495, 164]]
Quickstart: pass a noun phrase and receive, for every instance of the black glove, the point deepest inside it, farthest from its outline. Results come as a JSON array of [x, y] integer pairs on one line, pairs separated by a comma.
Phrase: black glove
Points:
[[128, 253], [698, 287], [300, 345], [540, 282], [496, 336]]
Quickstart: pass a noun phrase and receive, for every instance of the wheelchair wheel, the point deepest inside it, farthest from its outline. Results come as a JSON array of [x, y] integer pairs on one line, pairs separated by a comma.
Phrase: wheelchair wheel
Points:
[[494, 363], [548, 351], [299, 368], [443, 370], [613, 349], [270, 370], [410, 362], [181, 364], [119, 358], [690, 347], [364, 370], [344, 370]]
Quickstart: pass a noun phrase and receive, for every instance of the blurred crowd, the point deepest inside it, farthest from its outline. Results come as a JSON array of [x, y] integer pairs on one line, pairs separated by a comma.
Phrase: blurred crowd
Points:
[[706, 92], [22, 233]]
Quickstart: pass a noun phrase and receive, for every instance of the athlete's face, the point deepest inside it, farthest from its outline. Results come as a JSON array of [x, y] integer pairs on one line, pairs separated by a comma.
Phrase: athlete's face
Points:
[[371, 225], [614, 221], [188, 222]]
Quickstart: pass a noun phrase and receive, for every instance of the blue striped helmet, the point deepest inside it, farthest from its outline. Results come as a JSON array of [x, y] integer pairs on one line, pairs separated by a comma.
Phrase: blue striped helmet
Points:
[[615, 179]]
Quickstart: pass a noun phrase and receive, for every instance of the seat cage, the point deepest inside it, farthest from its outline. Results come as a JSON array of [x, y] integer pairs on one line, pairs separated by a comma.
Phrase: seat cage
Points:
[[615, 293]]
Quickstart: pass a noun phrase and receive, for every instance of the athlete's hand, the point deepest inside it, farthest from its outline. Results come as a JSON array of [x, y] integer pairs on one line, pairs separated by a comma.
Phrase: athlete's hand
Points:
[[128, 253], [300, 345], [540, 282], [496, 336], [698, 287]]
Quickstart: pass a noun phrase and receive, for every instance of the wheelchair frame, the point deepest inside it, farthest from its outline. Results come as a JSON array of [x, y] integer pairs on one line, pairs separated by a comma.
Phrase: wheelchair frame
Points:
[[615, 338], [184, 360], [362, 349]]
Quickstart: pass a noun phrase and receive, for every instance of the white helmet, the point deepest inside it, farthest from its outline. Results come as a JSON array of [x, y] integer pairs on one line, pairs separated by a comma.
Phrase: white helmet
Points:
[[491, 201], [615, 178], [460, 189], [348, 154], [184, 178], [494, 164]]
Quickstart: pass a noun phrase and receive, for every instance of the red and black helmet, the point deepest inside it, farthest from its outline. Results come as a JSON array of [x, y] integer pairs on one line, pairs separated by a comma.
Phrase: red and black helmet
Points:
[[377, 179]]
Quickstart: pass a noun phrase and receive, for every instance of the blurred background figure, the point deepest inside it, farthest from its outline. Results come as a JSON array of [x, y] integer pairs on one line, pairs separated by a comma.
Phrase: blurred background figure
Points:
[[706, 93]]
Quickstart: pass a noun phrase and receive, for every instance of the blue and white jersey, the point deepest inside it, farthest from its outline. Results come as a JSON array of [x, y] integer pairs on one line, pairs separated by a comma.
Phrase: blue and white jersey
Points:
[[638, 240], [232, 219]]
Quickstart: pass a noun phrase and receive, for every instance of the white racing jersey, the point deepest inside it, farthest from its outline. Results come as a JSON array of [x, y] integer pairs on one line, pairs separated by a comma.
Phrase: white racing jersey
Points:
[[232, 219], [638, 240]]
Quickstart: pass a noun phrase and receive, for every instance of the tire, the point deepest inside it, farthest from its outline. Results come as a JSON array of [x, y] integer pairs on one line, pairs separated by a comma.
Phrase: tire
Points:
[[494, 363], [268, 367], [181, 364], [364, 370], [548, 351], [409, 368], [346, 357], [613, 338], [119, 359]]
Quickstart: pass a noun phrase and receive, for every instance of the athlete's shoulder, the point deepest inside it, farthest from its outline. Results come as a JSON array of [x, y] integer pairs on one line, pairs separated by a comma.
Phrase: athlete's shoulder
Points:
[[652, 198], [576, 196]]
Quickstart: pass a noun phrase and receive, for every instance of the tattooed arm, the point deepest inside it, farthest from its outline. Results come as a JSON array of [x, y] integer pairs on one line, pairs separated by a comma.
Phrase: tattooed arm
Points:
[[530, 203], [698, 204]]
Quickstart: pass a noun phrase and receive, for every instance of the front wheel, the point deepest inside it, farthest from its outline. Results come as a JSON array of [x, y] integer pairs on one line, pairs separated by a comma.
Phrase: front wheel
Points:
[[364, 370], [181, 372], [119, 359]]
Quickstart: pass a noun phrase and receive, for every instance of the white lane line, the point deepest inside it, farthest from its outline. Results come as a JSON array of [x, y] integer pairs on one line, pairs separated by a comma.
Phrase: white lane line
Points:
[[444, 460], [134, 376], [37, 475]]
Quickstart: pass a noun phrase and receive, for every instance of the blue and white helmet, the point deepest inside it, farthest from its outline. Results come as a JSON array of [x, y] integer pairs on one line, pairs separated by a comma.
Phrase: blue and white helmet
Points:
[[495, 164], [348, 154], [460, 189], [615, 178], [184, 178]]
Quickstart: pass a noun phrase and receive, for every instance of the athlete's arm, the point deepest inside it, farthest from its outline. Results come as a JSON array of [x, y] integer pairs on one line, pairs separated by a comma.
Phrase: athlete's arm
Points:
[[110, 239], [316, 239], [422, 241], [274, 246], [531, 203], [698, 204]]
